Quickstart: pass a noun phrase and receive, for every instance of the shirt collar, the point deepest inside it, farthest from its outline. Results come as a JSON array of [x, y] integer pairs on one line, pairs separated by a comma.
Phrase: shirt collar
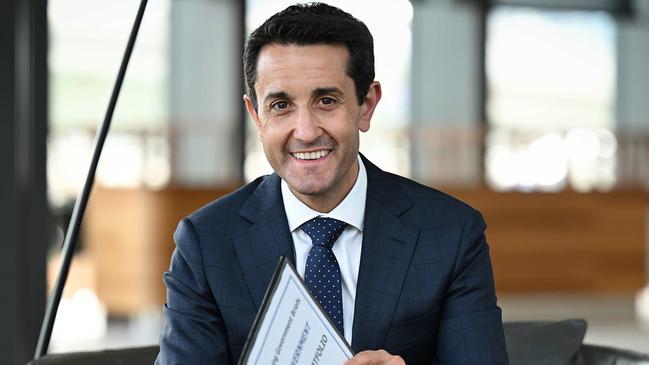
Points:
[[351, 210]]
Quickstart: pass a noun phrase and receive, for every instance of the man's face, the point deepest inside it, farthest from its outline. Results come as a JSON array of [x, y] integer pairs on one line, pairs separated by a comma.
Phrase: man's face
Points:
[[308, 119]]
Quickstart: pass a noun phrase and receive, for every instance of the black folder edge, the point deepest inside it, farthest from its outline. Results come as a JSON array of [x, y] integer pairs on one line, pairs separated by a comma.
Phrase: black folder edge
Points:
[[265, 303]]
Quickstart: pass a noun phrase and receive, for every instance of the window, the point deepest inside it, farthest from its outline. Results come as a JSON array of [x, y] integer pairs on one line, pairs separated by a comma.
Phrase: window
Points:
[[551, 85]]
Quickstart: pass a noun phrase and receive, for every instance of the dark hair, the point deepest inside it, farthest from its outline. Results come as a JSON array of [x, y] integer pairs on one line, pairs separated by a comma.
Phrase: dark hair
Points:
[[311, 24]]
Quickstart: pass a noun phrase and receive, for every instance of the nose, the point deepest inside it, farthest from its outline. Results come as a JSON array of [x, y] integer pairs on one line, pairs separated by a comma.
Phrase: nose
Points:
[[306, 127]]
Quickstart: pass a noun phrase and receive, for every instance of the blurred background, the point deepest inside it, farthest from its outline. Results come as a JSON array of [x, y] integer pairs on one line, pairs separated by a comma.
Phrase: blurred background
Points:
[[536, 112]]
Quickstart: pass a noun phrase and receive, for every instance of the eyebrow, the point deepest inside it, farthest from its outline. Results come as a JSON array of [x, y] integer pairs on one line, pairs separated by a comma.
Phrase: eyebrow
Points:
[[326, 90], [276, 95], [317, 92]]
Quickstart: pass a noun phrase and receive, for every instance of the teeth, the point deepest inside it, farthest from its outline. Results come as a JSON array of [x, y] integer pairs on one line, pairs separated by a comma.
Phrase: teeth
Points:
[[310, 155]]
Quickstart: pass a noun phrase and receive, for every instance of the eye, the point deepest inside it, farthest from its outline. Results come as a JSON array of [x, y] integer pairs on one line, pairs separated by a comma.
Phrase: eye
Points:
[[327, 101], [280, 106]]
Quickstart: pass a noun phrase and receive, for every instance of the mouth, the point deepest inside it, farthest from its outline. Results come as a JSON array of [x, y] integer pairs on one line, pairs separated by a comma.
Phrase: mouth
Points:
[[310, 155]]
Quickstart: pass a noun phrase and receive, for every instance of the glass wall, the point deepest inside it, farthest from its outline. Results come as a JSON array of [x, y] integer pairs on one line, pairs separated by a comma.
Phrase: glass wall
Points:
[[551, 92], [87, 42]]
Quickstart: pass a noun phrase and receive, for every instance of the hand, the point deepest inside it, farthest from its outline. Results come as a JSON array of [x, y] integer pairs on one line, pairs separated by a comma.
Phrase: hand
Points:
[[379, 357]]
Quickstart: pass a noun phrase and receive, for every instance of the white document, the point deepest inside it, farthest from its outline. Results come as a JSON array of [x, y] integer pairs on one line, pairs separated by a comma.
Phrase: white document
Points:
[[291, 328]]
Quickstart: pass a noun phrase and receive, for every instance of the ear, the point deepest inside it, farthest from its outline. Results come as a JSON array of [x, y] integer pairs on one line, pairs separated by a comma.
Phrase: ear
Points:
[[250, 108], [370, 101]]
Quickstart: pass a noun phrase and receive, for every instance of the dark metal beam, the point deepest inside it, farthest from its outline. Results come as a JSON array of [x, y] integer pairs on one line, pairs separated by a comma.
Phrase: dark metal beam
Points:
[[24, 216]]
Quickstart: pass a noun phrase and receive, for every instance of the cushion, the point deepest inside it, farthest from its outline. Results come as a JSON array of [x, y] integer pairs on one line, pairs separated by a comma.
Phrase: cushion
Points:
[[604, 355], [543, 342], [128, 356]]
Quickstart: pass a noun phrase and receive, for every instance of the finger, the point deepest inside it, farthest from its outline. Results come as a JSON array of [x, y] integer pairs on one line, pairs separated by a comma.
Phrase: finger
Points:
[[396, 360], [362, 358], [379, 357]]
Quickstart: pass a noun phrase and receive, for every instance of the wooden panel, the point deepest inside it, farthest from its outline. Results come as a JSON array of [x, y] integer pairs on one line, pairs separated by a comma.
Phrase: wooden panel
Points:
[[565, 241], [128, 233]]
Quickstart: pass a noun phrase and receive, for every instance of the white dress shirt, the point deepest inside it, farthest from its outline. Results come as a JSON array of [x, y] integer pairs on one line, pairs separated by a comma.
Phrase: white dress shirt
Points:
[[347, 248]]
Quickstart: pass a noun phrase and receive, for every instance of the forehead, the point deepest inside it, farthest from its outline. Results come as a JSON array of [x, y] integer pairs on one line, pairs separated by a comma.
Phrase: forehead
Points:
[[288, 66]]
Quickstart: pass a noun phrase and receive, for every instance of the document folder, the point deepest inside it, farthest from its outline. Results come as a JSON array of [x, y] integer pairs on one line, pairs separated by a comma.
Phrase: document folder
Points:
[[291, 327]]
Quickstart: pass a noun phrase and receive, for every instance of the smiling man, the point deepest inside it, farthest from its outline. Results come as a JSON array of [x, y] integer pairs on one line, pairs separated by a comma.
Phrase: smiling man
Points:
[[308, 118], [409, 278]]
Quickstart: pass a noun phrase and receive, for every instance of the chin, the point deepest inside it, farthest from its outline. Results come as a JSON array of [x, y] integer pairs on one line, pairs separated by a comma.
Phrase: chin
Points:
[[309, 188]]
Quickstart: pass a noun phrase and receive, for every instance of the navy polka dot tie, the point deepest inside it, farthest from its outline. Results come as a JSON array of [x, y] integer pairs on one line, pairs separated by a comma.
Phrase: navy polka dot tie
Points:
[[322, 273]]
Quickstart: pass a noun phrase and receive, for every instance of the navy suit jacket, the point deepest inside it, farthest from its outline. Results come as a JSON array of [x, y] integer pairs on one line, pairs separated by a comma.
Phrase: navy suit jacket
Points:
[[425, 286]]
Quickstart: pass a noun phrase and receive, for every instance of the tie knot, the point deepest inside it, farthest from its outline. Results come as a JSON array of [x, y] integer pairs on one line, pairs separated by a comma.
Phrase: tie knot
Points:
[[323, 231]]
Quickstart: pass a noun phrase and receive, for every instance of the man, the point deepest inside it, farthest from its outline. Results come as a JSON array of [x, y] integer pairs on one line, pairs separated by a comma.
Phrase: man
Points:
[[412, 278]]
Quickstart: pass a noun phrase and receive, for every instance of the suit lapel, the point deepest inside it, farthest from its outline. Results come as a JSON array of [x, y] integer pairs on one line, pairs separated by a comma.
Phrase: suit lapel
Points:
[[260, 246], [388, 246]]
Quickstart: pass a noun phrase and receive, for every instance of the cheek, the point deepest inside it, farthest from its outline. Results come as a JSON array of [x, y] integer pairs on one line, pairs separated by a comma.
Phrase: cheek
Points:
[[274, 138], [348, 132]]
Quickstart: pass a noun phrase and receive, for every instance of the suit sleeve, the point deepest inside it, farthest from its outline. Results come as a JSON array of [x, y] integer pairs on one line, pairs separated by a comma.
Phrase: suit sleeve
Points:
[[194, 332], [471, 330]]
